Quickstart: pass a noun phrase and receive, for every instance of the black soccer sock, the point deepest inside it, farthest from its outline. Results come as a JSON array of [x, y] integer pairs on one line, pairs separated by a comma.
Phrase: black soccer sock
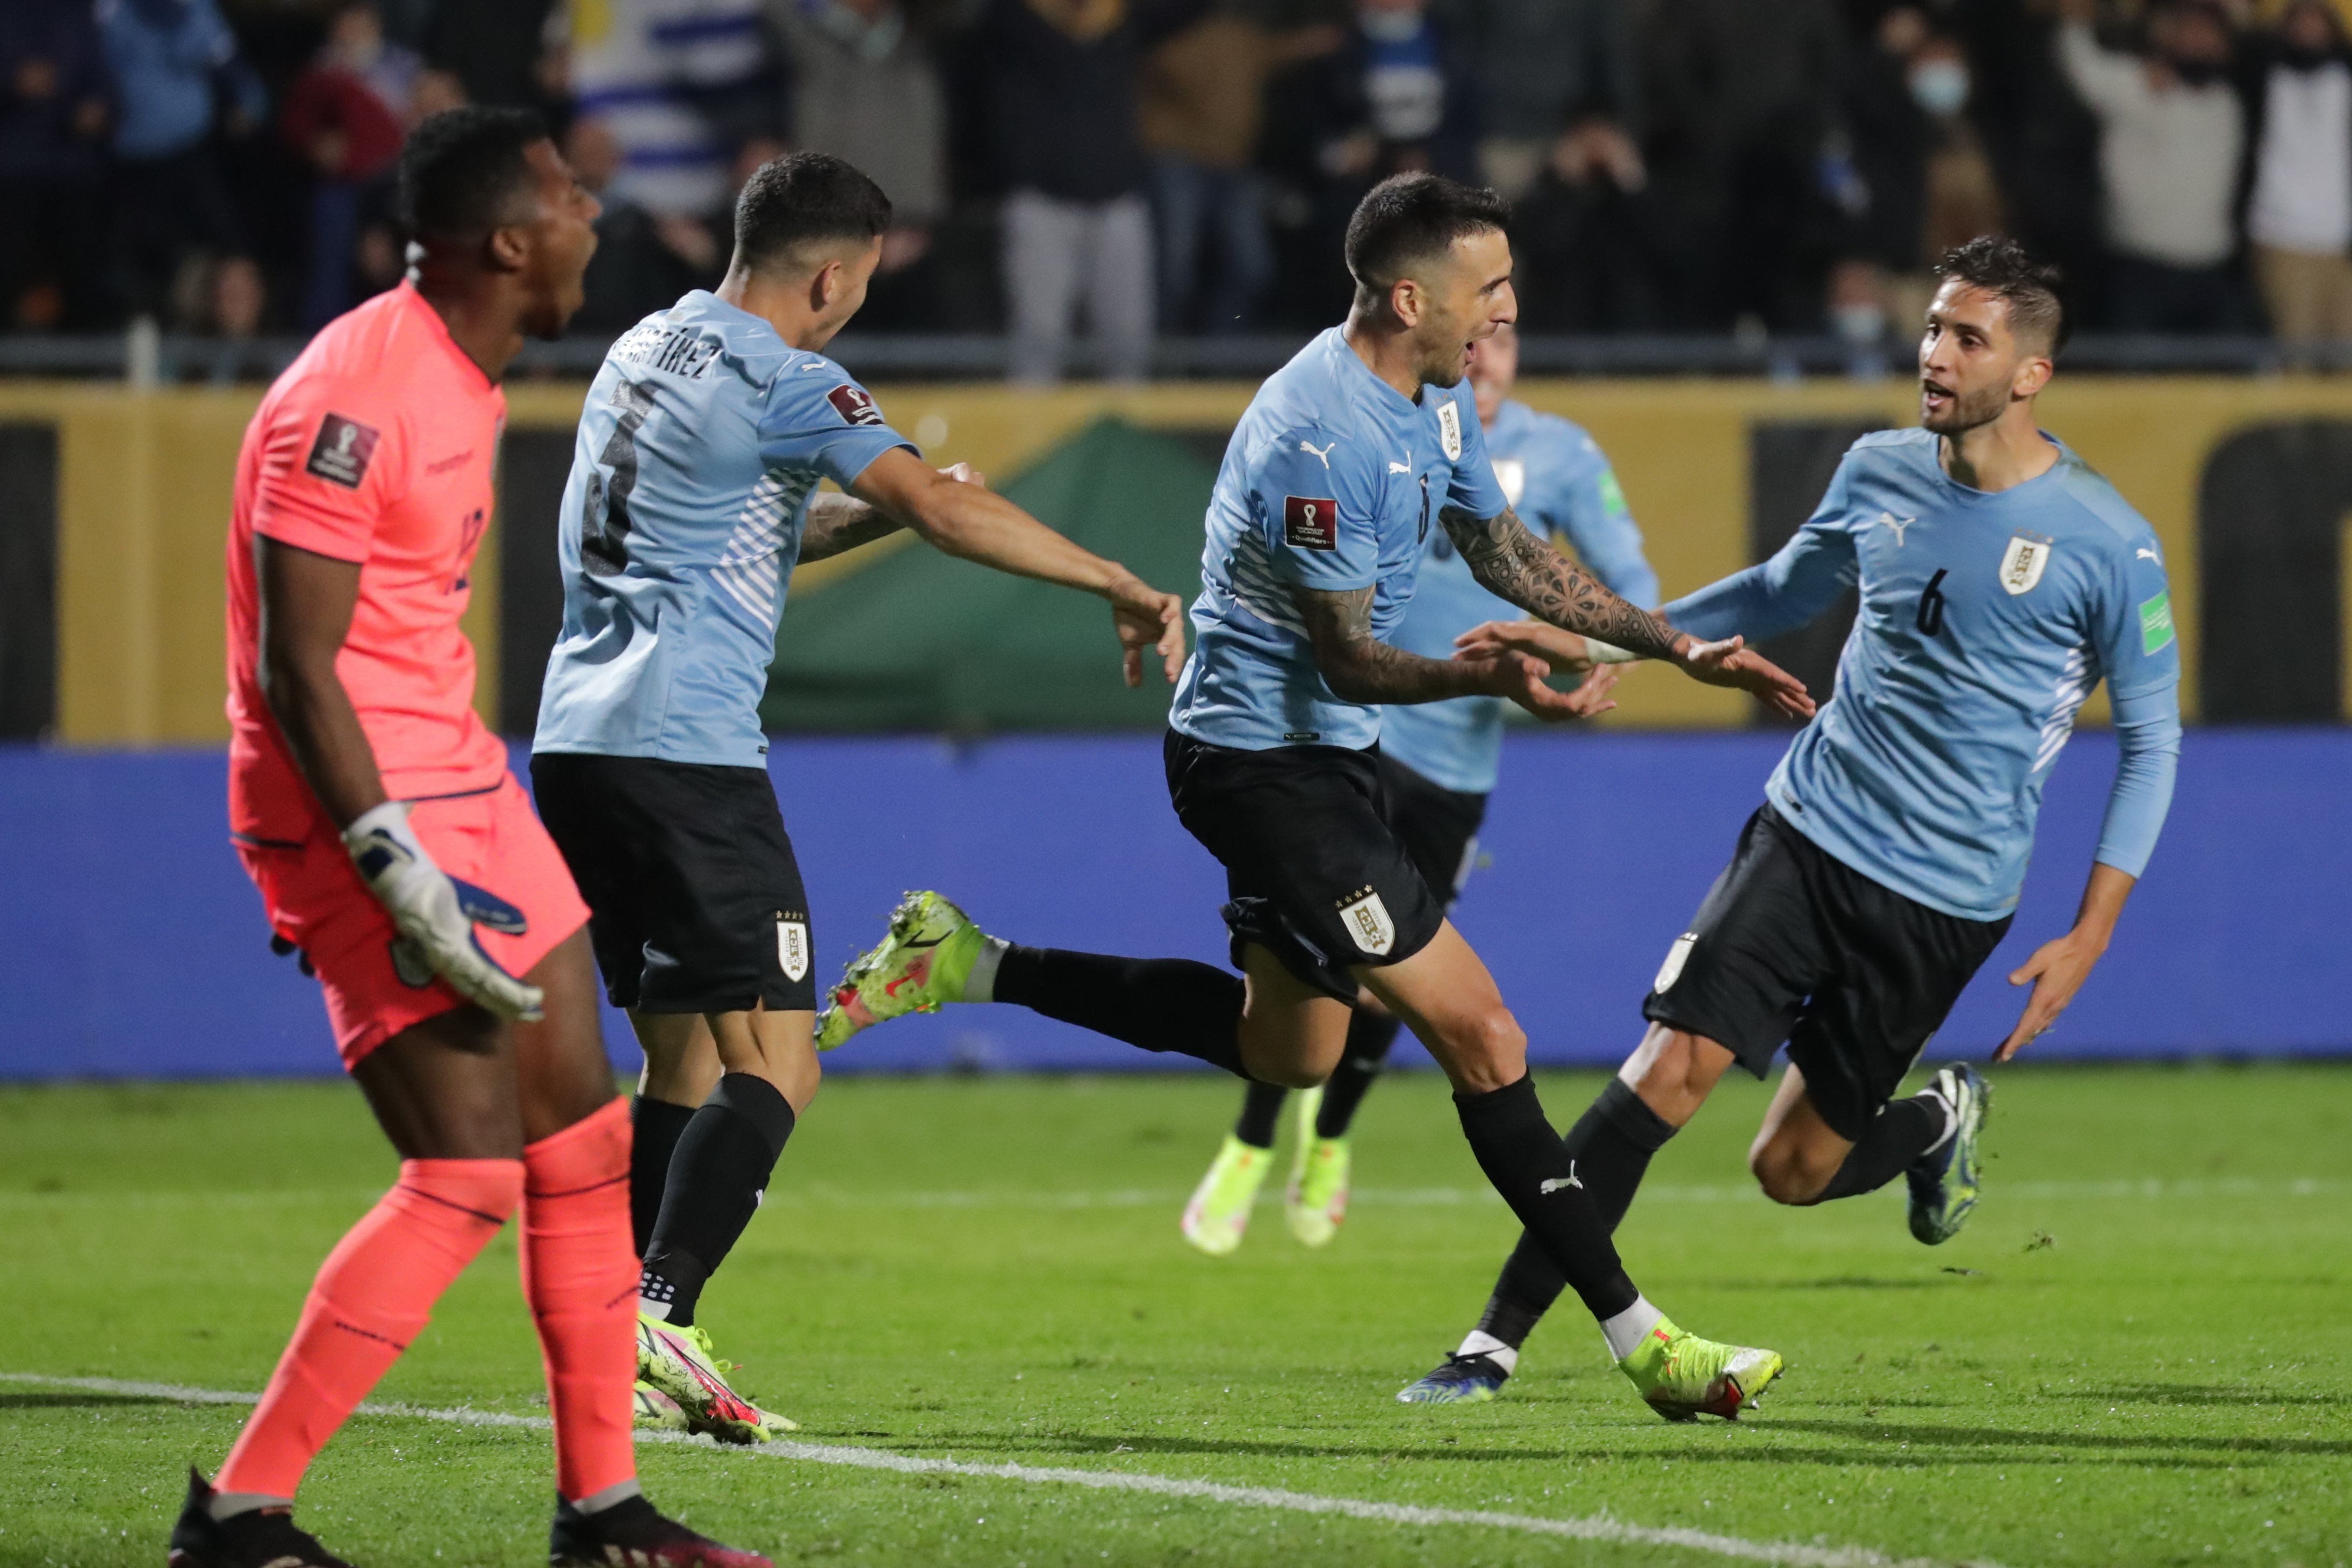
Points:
[[1610, 1149], [1898, 1135], [1158, 1003], [1261, 1114], [1612, 1144], [1370, 1036], [1528, 1163], [723, 1161], [654, 1128], [1531, 1282]]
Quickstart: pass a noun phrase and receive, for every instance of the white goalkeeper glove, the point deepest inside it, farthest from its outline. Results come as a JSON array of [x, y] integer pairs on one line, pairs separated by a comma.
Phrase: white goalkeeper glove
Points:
[[436, 914]]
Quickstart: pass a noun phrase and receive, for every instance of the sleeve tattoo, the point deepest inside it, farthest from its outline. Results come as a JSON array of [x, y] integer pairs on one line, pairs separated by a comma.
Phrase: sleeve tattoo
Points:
[[837, 522], [1358, 667], [1514, 564]]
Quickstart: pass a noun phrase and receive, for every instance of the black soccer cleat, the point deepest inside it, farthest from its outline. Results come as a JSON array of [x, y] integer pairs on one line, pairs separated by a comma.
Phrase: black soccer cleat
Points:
[[633, 1534], [261, 1538]]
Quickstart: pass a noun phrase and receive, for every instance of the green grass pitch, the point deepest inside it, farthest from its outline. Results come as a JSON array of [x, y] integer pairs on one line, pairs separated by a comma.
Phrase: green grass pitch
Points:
[[2140, 1352]]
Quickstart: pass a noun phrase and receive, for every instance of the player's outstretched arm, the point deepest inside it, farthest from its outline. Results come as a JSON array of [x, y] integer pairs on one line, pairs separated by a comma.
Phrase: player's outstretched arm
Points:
[[973, 523], [307, 601], [840, 523], [1360, 667], [1513, 563]]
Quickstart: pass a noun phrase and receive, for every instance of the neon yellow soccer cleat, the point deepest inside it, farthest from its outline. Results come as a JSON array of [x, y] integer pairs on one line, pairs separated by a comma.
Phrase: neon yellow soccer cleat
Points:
[[1220, 1210], [1316, 1199], [1684, 1377], [657, 1412], [677, 1362], [918, 967]]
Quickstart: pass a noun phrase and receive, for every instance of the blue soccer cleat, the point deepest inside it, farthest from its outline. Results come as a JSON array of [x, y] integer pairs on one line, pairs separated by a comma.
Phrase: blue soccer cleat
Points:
[[1461, 1380]]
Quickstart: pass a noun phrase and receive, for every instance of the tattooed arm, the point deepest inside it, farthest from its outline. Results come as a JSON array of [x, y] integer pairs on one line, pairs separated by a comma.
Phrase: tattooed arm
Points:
[[838, 523], [1360, 667], [1514, 564]]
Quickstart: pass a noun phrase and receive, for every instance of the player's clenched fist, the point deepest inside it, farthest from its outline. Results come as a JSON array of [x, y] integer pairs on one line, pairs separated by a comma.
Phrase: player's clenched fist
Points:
[[438, 913]]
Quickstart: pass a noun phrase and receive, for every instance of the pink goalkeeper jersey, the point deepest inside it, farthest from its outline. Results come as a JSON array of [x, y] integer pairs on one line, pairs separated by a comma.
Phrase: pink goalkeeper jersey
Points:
[[377, 446]]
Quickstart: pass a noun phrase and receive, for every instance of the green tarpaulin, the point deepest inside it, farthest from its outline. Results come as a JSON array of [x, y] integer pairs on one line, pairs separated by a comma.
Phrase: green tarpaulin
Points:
[[921, 642]]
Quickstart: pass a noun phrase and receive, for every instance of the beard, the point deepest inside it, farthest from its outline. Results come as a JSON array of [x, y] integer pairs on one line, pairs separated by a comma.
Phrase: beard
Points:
[[1966, 411]]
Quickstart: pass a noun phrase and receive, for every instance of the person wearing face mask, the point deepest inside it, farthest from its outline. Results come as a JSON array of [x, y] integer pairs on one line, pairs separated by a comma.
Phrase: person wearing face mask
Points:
[[1924, 165], [2172, 132], [2299, 183]]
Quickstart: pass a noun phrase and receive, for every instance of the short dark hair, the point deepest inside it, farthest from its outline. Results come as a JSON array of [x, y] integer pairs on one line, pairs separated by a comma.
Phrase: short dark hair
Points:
[[460, 171], [1409, 218], [2001, 266], [802, 197]]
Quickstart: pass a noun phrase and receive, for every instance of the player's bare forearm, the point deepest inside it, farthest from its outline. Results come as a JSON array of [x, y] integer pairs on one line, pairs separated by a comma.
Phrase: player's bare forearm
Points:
[[305, 612], [1360, 667], [1512, 563], [978, 525], [962, 518], [839, 522], [2059, 967]]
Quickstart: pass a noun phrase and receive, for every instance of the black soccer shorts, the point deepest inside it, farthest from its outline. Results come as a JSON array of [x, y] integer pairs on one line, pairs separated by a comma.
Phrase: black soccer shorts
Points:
[[1793, 944], [694, 896], [1438, 826], [1314, 872]]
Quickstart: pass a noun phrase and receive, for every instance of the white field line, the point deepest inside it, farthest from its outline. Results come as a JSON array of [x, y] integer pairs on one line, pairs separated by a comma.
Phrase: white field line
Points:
[[822, 1196], [1599, 1527]]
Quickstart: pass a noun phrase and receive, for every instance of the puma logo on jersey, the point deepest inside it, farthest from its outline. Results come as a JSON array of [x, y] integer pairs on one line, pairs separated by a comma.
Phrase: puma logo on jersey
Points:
[[1894, 525], [2144, 554], [1403, 468]]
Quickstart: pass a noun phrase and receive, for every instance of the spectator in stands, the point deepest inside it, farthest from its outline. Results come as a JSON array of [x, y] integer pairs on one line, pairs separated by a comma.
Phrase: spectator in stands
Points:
[[642, 263], [1741, 99], [501, 51], [865, 88], [1927, 182], [1394, 98], [347, 114], [1555, 87], [171, 60], [1060, 89], [2172, 131], [1203, 106], [683, 86], [2299, 206], [54, 119]]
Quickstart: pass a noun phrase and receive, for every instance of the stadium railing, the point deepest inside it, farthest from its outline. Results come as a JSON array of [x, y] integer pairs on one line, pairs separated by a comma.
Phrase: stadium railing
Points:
[[170, 358]]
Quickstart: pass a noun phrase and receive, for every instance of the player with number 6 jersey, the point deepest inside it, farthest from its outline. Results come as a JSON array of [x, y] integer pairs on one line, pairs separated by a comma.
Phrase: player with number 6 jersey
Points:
[[693, 494], [2000, 580]]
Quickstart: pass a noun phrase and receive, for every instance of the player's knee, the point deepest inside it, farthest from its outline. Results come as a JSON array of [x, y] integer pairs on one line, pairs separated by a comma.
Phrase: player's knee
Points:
[[1490, 1048], [1787, 1175]]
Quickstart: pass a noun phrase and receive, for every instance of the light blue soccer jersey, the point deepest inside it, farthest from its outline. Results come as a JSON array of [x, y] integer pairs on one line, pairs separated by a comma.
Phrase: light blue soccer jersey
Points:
[[1557, 479], [1985, 620], [703, 437], [1333, 481]]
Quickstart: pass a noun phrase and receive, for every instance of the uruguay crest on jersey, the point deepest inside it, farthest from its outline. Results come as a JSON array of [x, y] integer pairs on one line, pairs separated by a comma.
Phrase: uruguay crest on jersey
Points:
[[2023, 563]]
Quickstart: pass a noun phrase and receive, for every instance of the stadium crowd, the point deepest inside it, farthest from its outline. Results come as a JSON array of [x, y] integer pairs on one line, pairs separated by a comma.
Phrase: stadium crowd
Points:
[[1144, 168]]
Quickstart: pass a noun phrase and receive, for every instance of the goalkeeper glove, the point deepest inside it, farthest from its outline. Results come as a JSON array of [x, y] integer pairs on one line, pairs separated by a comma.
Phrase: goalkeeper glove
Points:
[[437, 913]]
